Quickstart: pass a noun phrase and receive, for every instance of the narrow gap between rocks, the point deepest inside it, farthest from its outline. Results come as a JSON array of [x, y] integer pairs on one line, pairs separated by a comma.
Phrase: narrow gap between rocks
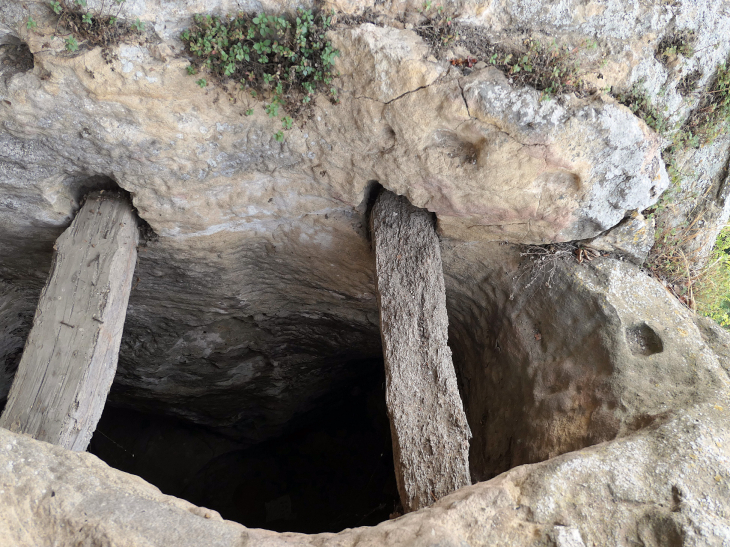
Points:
[[331, 468]]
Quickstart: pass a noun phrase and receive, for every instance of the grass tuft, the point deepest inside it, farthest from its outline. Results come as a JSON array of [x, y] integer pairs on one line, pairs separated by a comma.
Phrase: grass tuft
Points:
[[713, 287], [546, 68]]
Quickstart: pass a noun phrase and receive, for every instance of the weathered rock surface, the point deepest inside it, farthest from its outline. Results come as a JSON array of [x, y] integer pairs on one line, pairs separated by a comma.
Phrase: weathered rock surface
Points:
[[576, 167], [611, 494], [621, 362], [570, 354], [700, 206], [385, 63], [257, 295], [15, 319], [633, 238], [428, 426], [247, 275]]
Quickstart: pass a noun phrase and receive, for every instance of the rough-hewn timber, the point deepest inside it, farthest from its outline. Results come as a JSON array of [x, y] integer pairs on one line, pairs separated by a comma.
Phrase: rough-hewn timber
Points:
[[428, 425], [71, 353]]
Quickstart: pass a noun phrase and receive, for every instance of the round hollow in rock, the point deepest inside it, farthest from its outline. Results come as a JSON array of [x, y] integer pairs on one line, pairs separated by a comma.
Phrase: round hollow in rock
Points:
[[643, 340]]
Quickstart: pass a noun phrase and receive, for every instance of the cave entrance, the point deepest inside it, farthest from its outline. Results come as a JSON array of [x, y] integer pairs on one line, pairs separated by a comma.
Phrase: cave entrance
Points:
[[331, 468]]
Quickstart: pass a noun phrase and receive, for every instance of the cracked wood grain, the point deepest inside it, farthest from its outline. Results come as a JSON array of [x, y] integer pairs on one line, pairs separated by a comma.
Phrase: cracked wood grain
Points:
[[70, 357]]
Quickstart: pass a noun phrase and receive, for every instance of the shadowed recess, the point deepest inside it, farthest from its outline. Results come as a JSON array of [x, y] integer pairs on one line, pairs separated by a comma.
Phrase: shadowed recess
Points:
[[331, 468]]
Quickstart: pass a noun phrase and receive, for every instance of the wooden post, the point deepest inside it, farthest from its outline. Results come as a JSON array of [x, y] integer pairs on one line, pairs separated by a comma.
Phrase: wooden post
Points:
[[427, 421], [70, 357]]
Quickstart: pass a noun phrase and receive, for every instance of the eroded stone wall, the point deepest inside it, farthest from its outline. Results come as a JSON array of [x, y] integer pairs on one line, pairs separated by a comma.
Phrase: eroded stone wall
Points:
[[254, 292]]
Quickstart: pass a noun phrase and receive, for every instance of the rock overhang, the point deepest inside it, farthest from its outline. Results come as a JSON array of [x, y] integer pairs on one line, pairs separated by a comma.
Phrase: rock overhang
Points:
[[491, 160], [232, 207]]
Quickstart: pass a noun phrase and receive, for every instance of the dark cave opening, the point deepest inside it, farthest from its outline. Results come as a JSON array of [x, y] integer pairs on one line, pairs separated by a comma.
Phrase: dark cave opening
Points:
[[332, 468]]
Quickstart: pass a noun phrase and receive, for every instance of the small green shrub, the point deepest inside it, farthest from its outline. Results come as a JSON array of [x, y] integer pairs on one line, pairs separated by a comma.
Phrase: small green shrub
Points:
[[688, 83], [286, 58], [71, 44], [438, 28]]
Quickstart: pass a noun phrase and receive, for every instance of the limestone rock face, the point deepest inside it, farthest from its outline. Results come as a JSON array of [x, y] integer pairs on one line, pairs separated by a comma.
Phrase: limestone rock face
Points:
[[633, 238], [610, 494], [573, 168], [384, 63], [566, 355], [14, 325], [620, 361], [240, 289], [254, 295]]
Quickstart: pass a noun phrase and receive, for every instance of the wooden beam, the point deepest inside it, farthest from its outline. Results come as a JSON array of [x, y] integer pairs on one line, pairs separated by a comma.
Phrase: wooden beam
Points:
[[70, 357], [428, 425]]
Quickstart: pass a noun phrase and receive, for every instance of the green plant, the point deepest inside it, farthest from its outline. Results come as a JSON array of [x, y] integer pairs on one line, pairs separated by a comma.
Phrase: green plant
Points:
[[688, 82], [31, 24], [56, 7], [138, 25], [637, 100], [676, 43], [438, 29], [249, 111], [285, 58], [190, 70], [272, 109], [202, 82], [71, 44], [279, 136]]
